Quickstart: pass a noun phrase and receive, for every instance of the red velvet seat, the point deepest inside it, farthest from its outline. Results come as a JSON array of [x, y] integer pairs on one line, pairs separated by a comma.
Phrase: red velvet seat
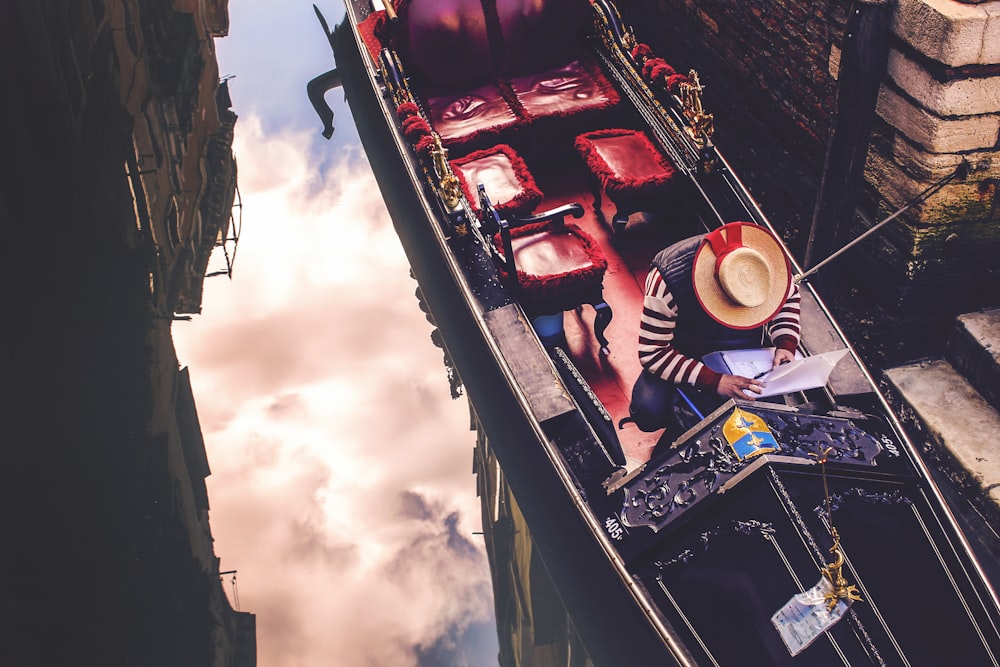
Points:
[[627, 167], [510, 185], [477, 113], [553, 265], [565, 90], [486, 68]]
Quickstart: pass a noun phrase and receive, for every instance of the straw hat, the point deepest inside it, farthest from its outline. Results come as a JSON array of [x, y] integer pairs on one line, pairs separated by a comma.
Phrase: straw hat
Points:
[[741, 275]]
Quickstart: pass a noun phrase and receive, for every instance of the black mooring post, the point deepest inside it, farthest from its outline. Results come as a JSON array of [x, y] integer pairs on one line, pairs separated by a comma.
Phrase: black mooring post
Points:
[[865, 52]]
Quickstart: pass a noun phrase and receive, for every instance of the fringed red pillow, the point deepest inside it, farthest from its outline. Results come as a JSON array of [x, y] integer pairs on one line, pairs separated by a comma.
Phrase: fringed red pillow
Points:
[[577, 87], [657, 70], [523, 202], [614, 181], [416, 130], [674, 81], [641, 51], [407, 110], [550, 286]]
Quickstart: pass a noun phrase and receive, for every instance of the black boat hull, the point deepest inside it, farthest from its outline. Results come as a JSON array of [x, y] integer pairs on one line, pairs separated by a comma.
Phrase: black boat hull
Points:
[[700, 582]]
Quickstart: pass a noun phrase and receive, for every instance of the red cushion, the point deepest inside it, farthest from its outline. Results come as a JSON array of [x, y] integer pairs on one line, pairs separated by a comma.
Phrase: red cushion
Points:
[[472, 112], [625, 161], [451, 44], [564, 90], [509, 184], [547, 253], [553, 259]]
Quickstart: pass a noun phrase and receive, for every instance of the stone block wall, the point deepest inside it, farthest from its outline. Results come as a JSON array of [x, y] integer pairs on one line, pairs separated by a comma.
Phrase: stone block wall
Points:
[[939, 107], [770, 70]]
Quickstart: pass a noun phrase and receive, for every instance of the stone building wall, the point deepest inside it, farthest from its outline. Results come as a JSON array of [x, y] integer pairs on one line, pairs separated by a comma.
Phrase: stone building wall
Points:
[[108, 558], [168, 80], [940, 106], [770, 70]]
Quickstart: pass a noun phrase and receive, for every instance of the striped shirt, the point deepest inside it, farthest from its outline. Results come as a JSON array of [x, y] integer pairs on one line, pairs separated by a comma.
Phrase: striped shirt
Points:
[[656, 333]]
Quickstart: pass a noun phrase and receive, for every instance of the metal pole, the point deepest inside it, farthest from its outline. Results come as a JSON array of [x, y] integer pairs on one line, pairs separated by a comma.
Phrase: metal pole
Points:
[[960, 172]]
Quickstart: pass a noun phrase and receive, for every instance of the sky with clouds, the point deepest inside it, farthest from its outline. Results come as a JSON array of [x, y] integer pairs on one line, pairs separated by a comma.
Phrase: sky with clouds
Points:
[[341, 487]]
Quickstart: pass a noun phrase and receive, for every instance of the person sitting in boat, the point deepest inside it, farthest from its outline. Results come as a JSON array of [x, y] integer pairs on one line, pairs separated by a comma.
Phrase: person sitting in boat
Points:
[[720, 291]]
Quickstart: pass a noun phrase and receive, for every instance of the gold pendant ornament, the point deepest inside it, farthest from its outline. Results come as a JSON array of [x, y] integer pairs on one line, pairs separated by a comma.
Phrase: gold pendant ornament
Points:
[[841, 589], [833, 571]]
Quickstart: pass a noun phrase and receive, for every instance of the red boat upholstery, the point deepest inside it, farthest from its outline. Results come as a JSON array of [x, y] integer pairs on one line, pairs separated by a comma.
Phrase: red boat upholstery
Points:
[[444, 43], [509, 184], [565, 90], [555, 266], [554, 259], [626, 166], [487, 67], [481, 112]]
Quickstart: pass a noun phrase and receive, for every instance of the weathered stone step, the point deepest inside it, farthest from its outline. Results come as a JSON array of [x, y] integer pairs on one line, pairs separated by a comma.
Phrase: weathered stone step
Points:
[[973, 348], [948, 419], [955, 430], [954, 427]]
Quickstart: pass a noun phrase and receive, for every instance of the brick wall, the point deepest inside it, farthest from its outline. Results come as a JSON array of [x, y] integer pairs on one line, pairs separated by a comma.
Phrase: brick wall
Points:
[[766, 68]]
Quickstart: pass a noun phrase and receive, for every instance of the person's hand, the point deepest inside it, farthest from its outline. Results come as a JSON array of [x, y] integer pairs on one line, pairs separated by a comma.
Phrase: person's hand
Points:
[[782, 356], [732, 386]]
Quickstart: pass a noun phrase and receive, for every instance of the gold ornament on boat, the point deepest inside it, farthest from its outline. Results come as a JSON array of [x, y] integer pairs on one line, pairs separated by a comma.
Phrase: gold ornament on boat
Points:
[[628, 40], [604, 28], [833, 573], [702, 124], [390, 11], [448, 186], [841, 590]]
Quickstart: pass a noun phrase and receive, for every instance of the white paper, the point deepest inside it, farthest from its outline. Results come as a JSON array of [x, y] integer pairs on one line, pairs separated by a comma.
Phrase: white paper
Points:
[[809, 373], [751, 362], [805, 616], [801, 374]]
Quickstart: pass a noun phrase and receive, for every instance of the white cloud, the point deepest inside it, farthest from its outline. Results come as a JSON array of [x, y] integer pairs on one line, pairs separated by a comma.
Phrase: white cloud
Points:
[[341, 486]]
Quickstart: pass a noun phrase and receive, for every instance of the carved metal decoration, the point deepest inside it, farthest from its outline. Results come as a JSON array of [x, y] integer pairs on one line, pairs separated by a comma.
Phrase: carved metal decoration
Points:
[[834, 574], [744, 528], [859, 628], [699, 465], [449, 188], [702, 124], [874, 498], [679, 482], [812, 435]]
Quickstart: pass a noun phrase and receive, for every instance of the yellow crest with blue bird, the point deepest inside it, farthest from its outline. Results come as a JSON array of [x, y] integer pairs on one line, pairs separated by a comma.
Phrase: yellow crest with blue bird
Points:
[[748, 435]]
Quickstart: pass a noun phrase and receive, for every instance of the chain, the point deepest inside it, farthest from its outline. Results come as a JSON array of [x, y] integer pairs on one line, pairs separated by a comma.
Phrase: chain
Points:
[[800, 523]]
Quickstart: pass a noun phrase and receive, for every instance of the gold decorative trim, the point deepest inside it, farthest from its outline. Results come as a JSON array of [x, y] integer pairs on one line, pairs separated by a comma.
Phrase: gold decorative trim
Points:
[[448, 186], [702, 124]]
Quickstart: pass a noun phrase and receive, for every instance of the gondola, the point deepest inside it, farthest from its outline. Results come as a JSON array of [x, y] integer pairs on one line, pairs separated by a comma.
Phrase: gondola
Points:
[[534, 156]]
